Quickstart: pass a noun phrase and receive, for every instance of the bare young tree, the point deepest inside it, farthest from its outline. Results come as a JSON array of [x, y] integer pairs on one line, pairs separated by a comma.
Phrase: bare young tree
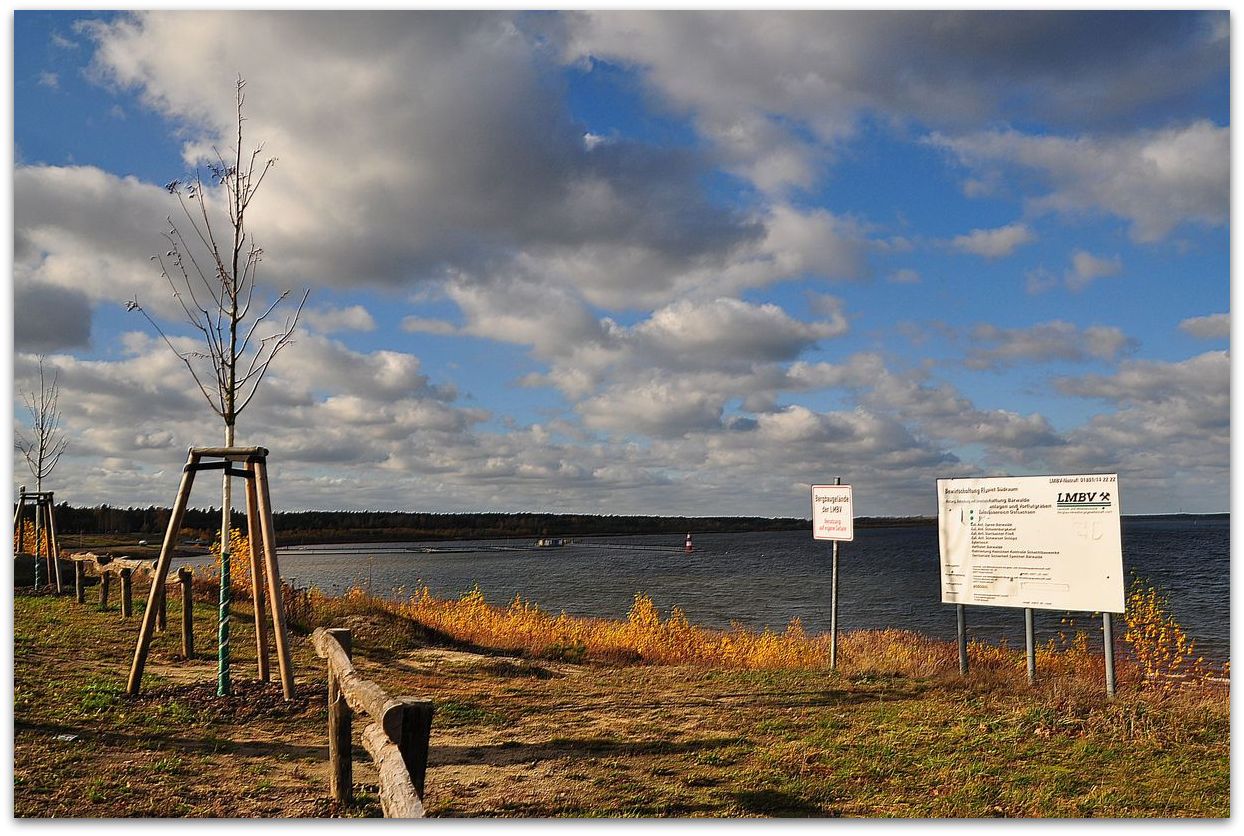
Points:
[[210, 264], [42, 447], [45, 443]]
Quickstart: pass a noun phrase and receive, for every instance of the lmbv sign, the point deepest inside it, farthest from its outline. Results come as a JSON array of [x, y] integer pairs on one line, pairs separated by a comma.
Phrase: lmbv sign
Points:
[[833, 517]]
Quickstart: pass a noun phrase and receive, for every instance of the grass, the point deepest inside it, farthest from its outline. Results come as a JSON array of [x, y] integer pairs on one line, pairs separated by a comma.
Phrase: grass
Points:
[[607, 730]]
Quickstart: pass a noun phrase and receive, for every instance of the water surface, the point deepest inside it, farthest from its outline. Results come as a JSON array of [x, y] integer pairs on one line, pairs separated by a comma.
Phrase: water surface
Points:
[[888, 577]]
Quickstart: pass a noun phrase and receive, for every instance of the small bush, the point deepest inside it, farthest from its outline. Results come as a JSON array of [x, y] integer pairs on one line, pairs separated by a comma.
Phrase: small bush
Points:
[[1162, 650]]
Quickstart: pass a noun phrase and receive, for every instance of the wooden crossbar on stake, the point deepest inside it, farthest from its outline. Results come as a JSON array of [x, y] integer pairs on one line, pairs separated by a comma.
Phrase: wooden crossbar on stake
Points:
[[46, 547], [262, 539]]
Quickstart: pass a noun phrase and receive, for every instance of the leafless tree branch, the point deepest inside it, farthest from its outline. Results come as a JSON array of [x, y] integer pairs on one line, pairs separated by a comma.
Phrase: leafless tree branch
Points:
[[214, 282], [46, 443]]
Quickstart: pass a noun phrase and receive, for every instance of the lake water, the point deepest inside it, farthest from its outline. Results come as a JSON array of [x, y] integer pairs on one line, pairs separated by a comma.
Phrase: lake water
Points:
[[888, 577]]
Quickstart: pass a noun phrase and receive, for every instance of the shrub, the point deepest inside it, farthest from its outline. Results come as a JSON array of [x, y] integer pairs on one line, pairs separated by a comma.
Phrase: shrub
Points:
[[1163, 652]]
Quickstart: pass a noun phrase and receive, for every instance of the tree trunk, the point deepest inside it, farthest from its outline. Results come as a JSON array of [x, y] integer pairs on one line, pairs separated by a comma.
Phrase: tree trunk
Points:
[[223, 687]]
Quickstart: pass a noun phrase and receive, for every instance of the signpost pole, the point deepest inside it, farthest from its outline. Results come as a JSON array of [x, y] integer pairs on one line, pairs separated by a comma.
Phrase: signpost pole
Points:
[[1108, 634], [1031, 646], [833, 604], [833, 516], [833, 613], [961, 618]]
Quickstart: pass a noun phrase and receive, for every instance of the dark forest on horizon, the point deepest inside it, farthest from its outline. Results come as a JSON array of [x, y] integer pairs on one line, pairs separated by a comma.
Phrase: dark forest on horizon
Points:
[[298, 527]]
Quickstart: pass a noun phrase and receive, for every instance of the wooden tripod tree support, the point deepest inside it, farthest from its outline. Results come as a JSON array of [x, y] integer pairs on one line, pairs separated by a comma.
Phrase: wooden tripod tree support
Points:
[[259, 512], [46, 547]]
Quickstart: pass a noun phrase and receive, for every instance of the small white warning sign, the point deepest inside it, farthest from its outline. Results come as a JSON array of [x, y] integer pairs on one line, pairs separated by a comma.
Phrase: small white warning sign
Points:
[[833, 517]]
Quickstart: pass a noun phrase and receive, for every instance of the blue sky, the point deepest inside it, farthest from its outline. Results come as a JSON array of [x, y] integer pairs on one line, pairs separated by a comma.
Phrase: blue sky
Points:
[[648, 262]]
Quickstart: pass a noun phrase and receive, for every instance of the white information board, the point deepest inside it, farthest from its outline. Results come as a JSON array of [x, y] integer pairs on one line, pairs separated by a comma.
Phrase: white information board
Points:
[[832, 515], [1045, 542]]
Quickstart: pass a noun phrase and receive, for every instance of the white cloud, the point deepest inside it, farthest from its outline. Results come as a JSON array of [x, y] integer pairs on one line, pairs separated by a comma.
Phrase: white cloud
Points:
[[1086, 268], [904, 275], [423, 325], [1155, 179], [327, 319], [1168, 431], [1058, 340], [778, 93], [475, 164], [1211, 327], [732, 328], [994, 243], [51, 318]]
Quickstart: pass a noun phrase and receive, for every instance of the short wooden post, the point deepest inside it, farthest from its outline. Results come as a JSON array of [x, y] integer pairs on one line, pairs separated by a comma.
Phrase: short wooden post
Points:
[[416, 734], [127, 592], [105, 581], [185, 577], [340, 716], [79, 582], [161, 610]]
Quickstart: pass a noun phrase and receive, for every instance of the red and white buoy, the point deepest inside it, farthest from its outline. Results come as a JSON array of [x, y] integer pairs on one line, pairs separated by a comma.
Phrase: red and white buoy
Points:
[[690, 548]]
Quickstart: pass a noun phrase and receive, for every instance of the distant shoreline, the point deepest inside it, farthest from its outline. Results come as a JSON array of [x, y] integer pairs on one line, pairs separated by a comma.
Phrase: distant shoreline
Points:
[[106, 526]]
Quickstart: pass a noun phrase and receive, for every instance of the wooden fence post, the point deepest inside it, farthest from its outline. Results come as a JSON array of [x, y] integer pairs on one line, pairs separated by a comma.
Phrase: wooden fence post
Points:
[[185, 576], [416, 733], [341, 774], [161, 609], [105, 581], [79, 582], [127, 592]]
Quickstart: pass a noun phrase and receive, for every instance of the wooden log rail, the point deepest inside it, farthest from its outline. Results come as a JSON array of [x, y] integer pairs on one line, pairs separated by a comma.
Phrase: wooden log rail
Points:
[[106, 567], [397, 738]]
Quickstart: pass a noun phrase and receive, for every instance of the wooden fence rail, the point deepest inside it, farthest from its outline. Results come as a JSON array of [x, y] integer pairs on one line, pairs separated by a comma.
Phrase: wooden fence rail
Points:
[[126, 569], [397, 738]]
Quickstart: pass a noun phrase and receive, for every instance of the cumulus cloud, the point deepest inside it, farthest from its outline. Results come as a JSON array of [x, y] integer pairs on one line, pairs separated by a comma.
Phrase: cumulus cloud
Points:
[[479, 160], [779, 92], [609, 262], [998, 348], [50, 318], [1211, 327], [83, 229], [1086, 268], [1166, 418], [994, 243], [1155, 179], [327, 319]]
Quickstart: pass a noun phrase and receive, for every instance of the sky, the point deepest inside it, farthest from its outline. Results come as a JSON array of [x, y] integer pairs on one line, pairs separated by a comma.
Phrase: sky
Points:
[[644, 262]]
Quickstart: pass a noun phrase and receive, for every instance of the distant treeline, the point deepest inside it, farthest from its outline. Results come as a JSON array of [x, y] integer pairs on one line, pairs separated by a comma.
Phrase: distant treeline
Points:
[[295, 527], [357, 526]]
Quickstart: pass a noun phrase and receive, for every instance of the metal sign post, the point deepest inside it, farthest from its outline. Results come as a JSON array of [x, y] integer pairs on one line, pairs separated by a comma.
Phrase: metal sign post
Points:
[[1030, 645], [1108, 635], [961, 618], [833, 612], [833, 518]]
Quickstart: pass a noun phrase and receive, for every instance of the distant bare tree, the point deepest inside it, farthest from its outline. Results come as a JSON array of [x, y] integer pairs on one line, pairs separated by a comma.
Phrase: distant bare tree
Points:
[[42, 448], [213, 280], [45, 443]]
